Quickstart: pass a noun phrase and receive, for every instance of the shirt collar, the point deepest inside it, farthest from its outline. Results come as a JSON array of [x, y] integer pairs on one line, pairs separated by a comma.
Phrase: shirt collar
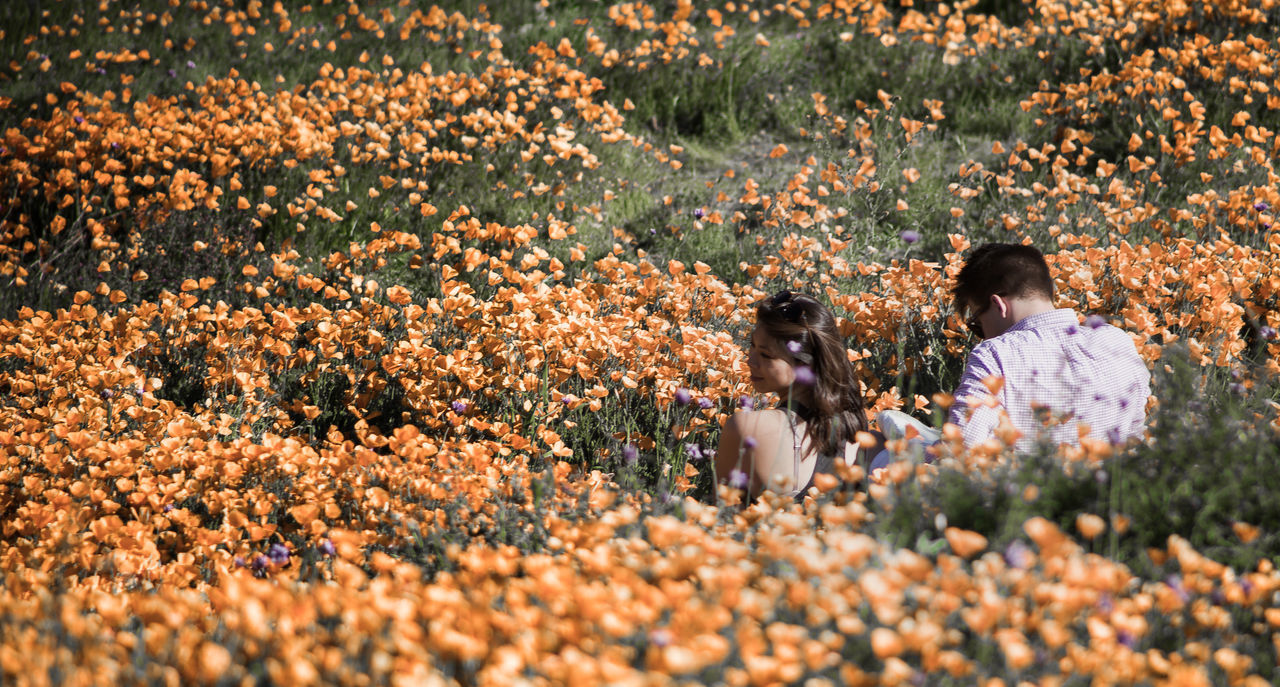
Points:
[[1064, 317]]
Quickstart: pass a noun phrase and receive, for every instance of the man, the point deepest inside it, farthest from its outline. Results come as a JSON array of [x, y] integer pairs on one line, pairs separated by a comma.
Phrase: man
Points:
[[1037, 363]]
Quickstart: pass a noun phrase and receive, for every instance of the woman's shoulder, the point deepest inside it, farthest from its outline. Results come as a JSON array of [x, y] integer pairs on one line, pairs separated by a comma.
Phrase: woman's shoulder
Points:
[[766, 417]]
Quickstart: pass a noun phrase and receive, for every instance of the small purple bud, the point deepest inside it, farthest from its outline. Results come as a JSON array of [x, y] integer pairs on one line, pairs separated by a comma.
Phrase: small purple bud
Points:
[[566, 399], [1018, 555], [698, 213], [278, 553], [706, 403], [168, 507], [115, 146], [106, 393], [1237, 388], [1126, 639], [804, 376], [683, 397], [1175, 583], [1094, 321], [910, 236], [660, 637], [259, 563], [738, 479], [747, 402], [79, 119], [327, 548], [459, 406], [238, 561], [1261, 206], [1267, 333], [100, 71], [693, 451], [172, 73], [629, 453], [1105, 603], [652, 231], [191, 65]]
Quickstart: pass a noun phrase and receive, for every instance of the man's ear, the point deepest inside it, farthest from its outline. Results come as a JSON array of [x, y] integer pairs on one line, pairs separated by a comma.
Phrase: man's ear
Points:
[[1001, 305]]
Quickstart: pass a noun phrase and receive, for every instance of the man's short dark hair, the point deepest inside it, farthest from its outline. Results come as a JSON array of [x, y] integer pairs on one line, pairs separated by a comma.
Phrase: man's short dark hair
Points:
[[1011, 270]]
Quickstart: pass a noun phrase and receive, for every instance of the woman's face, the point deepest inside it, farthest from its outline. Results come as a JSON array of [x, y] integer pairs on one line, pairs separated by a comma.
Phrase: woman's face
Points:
[[772, 366]]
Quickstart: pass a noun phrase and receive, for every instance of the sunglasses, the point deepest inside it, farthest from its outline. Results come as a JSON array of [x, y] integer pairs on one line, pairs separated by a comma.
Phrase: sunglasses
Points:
[[786, 304], [975, 324]]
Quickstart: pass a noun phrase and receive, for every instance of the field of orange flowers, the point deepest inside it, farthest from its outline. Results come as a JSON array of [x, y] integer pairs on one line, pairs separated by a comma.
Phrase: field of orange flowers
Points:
[[341, 341]]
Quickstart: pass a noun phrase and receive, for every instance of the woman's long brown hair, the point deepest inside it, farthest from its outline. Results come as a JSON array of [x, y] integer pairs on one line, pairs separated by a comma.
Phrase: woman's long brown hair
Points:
[[832, 406]]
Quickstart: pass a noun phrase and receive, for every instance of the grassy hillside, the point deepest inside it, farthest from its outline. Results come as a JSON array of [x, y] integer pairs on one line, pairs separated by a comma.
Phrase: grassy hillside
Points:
[[340, 342]]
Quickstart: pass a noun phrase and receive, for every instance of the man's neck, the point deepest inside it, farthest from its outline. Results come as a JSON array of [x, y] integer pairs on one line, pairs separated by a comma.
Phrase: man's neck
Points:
[[1022, 308]]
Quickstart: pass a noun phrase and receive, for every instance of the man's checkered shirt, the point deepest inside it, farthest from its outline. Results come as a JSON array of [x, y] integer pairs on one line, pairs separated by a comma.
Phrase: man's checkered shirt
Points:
[[1051, 363]]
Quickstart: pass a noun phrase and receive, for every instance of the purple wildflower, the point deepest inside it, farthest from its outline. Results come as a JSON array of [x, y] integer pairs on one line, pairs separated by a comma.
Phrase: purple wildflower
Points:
[[459, 406], [1267, 333], [706, 403], [910, 236], [1018, 555], [1237, 388], [79, 119], [682, 396], [238, 561], [1105, 603], [660, 637], [259, 563], [804, 376], [1094, 321], [698, 213], [1261, 206], [327, 548], [172, 73], [1126, 639], [693, 451], [278, 553], [747, 402], [168, 507], [1175, 583], [738, 479], [106, 393], [191, 65], [629, 453]]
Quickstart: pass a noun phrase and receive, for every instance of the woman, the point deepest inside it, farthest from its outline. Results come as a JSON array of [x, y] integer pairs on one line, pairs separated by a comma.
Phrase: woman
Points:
[[797, 353]]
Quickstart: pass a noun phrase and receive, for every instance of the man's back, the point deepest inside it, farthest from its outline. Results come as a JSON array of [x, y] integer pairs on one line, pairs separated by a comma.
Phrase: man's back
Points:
[[1078, 373]]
